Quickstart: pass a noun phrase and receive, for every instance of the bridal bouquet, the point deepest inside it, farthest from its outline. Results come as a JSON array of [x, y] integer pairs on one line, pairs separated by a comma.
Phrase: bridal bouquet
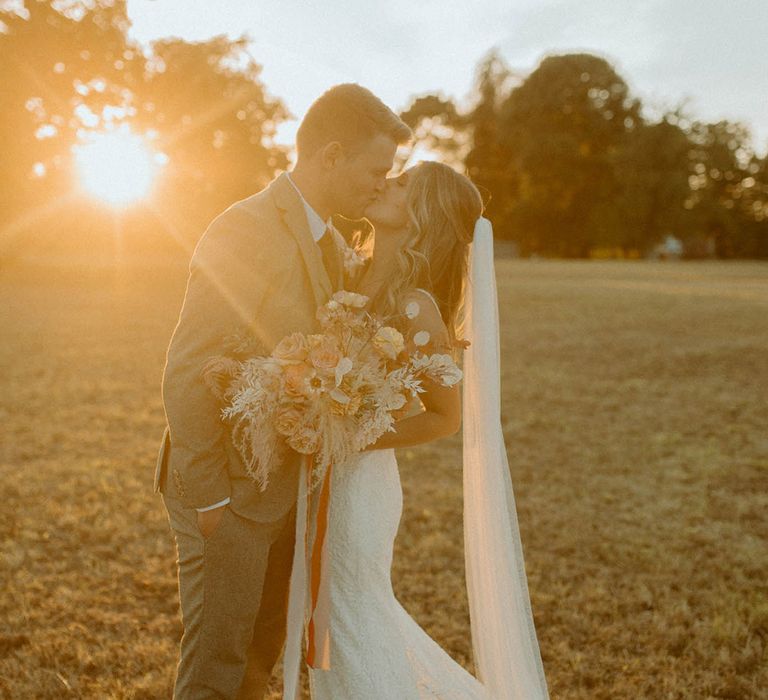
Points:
[[328, 394]]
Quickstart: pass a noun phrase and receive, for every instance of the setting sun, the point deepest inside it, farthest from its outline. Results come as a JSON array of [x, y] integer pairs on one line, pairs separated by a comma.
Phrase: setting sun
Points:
[[117, 167]]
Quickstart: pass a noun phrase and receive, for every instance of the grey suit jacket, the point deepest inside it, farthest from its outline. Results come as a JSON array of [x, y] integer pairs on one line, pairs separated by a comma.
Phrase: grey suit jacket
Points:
[[256, 270]]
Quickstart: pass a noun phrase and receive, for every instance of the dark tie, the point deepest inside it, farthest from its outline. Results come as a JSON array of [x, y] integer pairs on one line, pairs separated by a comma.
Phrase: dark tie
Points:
[[330, 256]]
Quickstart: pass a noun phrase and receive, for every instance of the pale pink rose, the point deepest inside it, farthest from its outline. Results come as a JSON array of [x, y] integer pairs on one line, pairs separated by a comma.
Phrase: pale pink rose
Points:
[[389, 342], [292, 348], [217, 373], [305, 440], [297, 379], [324, 356], [288, 421]]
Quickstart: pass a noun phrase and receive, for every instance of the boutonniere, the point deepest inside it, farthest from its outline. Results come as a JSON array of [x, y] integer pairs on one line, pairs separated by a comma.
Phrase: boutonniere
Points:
[[353, 261]]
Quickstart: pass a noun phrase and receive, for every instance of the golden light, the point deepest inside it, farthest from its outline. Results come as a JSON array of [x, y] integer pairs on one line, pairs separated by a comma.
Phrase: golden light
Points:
[[118, 166]]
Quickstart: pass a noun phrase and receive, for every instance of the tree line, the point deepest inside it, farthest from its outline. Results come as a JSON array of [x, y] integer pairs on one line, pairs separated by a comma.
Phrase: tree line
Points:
[[566, 157], [572, 165]]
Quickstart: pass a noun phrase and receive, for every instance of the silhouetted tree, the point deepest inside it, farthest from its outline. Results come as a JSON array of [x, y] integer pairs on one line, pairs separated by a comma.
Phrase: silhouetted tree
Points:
[[489, 161], [651, 171], [216, 123], [570, 164], [754, 205], [562, 128], [727, 198], [437, 126], [69, 69], [57, 69]]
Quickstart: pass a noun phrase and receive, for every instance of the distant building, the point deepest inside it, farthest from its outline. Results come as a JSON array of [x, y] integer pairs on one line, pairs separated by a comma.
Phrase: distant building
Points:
[[671, 248]]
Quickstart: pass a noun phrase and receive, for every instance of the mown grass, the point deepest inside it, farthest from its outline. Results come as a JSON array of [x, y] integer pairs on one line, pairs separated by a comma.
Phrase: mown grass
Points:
[[636, 424]]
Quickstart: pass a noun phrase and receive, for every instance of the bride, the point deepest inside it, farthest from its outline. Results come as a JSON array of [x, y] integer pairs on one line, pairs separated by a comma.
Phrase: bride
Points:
[[430, 246]]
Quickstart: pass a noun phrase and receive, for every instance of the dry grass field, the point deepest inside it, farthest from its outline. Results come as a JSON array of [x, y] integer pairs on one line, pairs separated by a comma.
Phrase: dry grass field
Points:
[[635, 412]]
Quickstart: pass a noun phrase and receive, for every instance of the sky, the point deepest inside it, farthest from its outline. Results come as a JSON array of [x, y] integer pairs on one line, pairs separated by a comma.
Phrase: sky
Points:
[[710, 55]]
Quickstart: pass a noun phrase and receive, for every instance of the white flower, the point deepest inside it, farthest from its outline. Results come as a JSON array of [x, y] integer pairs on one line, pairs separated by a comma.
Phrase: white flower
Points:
[[389, 342], [412, 309], [443, 369], [357, 301], [421, 338], [452, 375], [344, 366], [352, 260], [389, 399], [404, 380], [339, 396], [414, 386], [330, 393]]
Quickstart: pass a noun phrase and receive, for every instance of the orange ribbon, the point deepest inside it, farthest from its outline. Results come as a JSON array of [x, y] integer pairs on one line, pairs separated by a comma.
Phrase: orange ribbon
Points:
[[319, 627], [309, 590]]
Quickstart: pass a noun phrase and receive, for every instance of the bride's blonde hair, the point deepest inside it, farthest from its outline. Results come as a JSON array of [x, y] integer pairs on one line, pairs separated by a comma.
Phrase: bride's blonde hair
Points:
[[443, 206]]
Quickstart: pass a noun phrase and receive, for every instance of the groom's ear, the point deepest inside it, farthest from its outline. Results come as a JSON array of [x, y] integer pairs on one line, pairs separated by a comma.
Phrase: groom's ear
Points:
[[331, 154]]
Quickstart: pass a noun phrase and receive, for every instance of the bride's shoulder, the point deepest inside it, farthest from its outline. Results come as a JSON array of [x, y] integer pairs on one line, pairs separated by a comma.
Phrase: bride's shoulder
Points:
[[423, 314], [419, 294]]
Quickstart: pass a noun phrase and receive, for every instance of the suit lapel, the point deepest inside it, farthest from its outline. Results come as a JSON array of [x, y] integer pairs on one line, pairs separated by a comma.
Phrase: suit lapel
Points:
[[290, 205], [341, 244]]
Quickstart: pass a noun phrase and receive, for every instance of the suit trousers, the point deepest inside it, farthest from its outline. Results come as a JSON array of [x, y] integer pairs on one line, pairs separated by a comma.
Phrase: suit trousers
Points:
[[233, 588]]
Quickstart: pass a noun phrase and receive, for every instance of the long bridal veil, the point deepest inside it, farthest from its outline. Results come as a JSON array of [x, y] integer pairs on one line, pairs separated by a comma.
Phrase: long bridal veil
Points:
[[504, 643]]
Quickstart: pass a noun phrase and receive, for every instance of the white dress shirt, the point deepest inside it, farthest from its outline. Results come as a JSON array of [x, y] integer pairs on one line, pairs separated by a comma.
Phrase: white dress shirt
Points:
[[317, 227], [316, 224]]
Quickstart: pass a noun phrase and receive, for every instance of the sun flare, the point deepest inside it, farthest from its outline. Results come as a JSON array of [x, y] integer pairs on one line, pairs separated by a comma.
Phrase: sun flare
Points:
[[118, 167]]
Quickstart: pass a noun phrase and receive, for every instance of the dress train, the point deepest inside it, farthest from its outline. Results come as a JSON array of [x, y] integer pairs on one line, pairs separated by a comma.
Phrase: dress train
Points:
[[378, 651]]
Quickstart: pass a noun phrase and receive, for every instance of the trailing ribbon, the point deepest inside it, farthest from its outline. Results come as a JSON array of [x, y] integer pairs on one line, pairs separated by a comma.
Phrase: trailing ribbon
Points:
[[309, 606], [319, 632]]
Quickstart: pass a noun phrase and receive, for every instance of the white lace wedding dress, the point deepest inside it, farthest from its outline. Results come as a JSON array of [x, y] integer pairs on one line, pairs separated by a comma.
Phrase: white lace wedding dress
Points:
[[378, 651]]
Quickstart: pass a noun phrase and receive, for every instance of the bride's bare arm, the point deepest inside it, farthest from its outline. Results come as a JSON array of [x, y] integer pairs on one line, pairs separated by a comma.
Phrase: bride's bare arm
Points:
[[441, 418], [442, 414]]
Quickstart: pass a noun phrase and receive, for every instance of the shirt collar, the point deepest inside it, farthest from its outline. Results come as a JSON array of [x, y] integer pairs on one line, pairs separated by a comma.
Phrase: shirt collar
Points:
[[316, 224]]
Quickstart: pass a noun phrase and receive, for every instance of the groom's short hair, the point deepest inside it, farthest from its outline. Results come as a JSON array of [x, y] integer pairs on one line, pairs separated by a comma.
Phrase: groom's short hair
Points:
[[350, 114]]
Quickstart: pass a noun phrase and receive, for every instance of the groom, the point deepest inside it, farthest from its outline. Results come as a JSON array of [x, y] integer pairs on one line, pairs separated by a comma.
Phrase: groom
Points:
[[259, 271]]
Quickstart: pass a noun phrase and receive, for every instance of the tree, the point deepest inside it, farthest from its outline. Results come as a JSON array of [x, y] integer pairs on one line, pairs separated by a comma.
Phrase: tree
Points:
[[651, 170], [70, 70], [470, 140], [437, 126], [216, 123], [562, 128], [728, 196], [570, 164], [489, 161], [754, 207], [57, 69]]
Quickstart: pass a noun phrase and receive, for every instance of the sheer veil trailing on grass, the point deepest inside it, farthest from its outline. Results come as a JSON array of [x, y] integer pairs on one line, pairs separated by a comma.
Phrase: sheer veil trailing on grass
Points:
[[504, 643]]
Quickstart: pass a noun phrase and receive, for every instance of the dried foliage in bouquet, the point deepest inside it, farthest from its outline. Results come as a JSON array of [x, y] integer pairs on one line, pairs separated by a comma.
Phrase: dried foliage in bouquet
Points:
[[328, 394]]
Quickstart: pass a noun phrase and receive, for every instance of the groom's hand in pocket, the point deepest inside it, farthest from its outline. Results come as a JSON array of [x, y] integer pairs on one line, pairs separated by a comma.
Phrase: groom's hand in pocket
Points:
[[209, 520]]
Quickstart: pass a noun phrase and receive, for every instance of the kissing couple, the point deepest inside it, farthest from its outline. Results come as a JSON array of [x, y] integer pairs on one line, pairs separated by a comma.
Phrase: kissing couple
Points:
[[260, 271]]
